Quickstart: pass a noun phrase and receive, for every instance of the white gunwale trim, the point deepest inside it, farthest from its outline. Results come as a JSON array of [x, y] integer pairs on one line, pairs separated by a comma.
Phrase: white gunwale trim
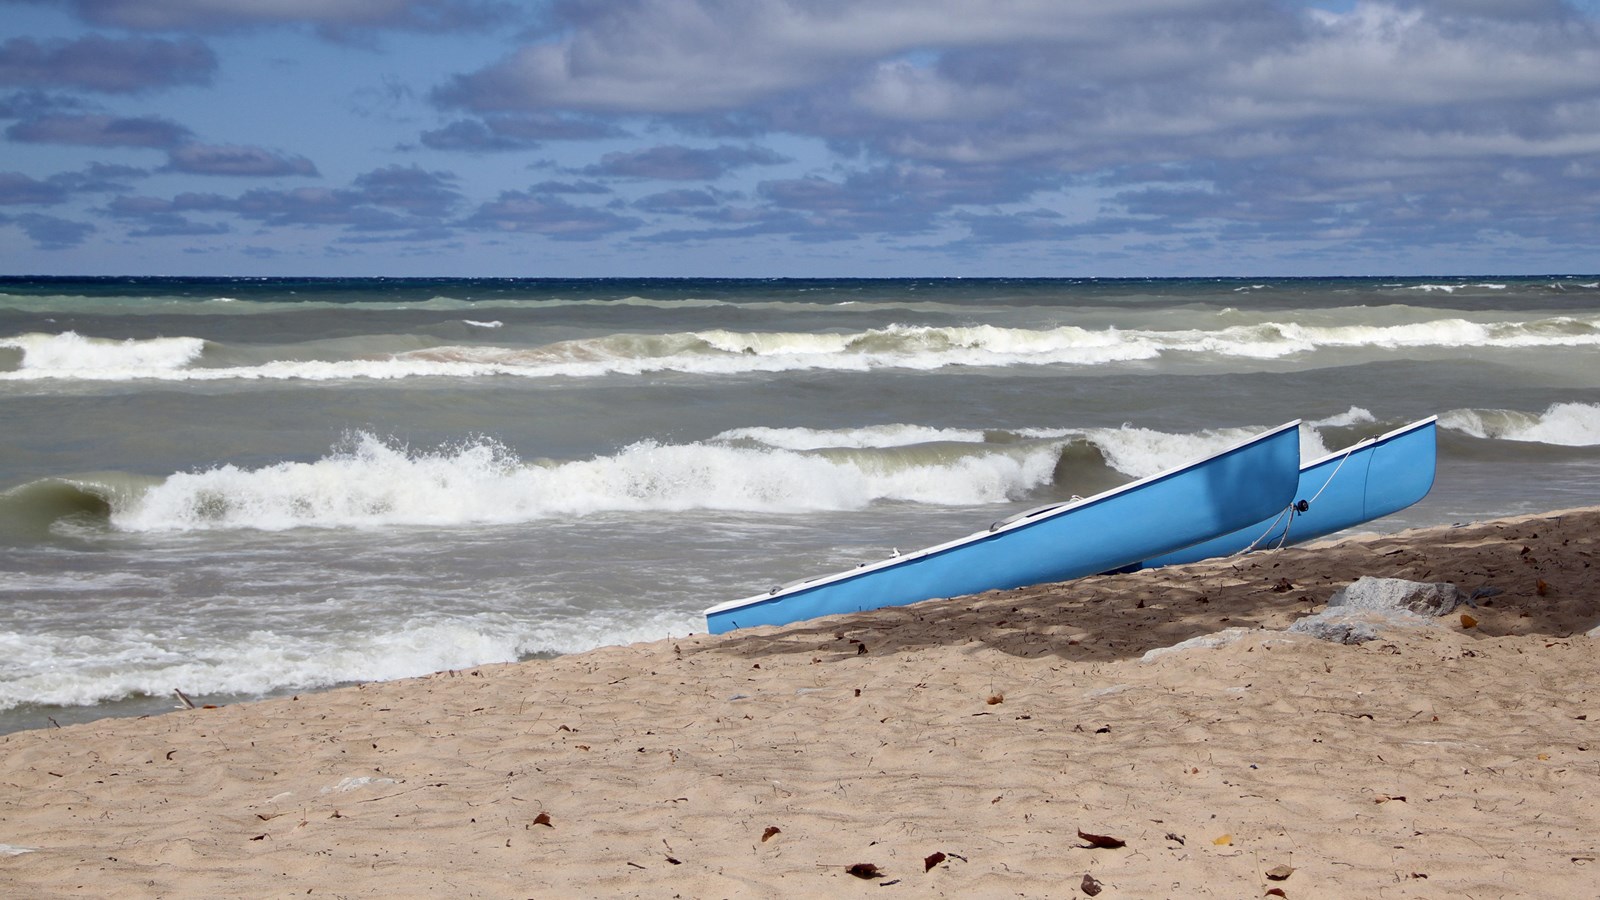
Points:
[[1390, 435]]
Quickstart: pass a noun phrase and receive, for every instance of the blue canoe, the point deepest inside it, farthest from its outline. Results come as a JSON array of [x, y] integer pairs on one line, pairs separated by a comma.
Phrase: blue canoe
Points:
[[1248, 482], [1365, 481]]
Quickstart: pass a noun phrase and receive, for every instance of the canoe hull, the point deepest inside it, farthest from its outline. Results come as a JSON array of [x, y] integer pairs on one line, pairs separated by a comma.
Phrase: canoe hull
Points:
[[1243, 484], [1365, 481]]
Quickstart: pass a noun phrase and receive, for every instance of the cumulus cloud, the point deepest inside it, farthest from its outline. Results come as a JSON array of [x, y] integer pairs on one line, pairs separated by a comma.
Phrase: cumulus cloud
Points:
[[473, 136], [570, 187], [171, 225], [904, 198], [212, 159], [34, 103], [1076, 84], [947, 123], [330, 15], [99, 131], [408, 188], [523, 212], [19, 189], [107, 65], [1387, 57], [675, 56], [678, 163], [516, 132], [679, 200], [53, 232], [1270, 119], [384, 200]]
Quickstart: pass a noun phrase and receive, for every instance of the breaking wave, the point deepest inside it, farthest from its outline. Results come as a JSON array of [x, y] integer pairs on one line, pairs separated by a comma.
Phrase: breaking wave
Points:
[[723, 352], [369, 482], [71, 355], [1563, 424]]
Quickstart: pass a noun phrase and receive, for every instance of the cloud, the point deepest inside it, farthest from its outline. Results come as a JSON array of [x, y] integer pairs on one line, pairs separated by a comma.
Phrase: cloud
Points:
[[53, 233], [99, 131], [1389, 57], [1029, 226], [34, 103], [904, 198], [569, 187], [408, 188], [296, 207], [183, 153], [332, 16], [106, 65], [517, 132], [1256, 119], [686, 56], [521, 212], [675, 201], [1363, 125], [474, 137], [99, 178], [681, 163], [212, 159], [1078, 86], [17, 189], [177, 226], [388, 199]]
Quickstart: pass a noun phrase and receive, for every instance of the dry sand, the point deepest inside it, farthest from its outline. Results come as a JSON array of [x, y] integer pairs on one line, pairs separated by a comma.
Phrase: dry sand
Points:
[[958, 746]]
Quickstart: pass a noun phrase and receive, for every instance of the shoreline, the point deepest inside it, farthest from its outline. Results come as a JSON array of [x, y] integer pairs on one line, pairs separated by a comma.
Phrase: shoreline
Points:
[[959, 746]]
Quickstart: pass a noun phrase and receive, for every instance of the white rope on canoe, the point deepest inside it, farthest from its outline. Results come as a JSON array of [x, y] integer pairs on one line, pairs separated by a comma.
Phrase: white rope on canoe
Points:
[[1335, 474], [1251, 547], [1301, 506]]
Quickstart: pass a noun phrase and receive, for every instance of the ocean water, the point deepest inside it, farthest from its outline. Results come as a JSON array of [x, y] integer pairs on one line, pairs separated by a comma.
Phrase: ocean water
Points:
[[241, 488]]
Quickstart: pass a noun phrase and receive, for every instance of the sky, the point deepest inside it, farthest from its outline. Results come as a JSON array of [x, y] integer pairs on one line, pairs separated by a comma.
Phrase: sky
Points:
[[799, 138]]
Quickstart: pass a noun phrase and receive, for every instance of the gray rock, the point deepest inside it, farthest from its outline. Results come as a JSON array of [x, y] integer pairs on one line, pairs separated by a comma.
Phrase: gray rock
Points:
[[1390, 594], [1337, 630], [1363, 610], [1354, 626], [1205, 641]]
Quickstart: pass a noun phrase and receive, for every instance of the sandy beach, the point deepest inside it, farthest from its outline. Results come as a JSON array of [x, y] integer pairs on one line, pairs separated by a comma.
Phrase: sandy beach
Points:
[[1017, 743]]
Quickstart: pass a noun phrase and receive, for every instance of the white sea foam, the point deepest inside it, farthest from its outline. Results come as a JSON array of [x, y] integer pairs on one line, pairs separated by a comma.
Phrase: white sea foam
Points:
[[496, 323], [1564, 424], [1355, 415], [71, 355], [1142, 452], [83, 670], [870, 436]]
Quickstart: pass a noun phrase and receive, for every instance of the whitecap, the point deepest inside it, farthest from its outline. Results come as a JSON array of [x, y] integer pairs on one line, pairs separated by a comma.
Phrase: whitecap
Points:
[[70, 354], [1355, 415], [372, 483], [898, 435], [1562, 424]]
